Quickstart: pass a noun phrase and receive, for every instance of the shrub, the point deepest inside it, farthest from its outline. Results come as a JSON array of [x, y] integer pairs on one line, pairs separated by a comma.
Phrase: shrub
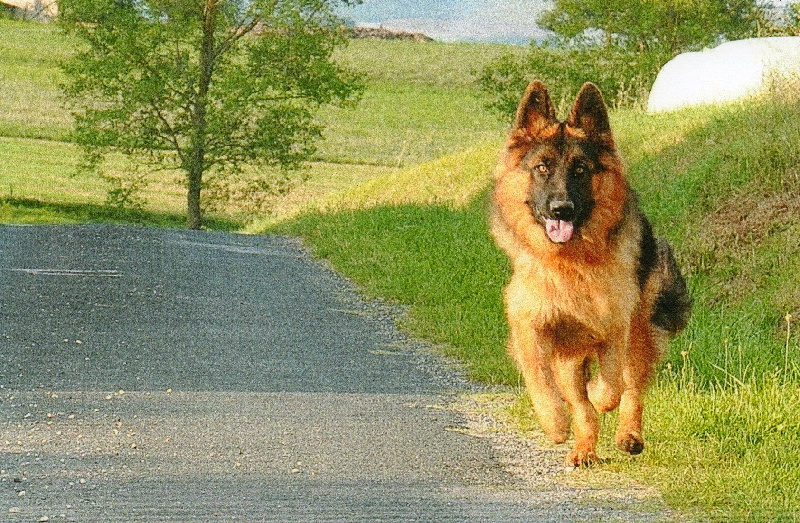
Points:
[[624, 78]]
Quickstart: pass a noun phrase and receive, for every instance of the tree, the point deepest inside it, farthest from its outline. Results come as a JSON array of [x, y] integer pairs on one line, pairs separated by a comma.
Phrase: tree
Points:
[[787, 20], [208, 87], [669, 26]]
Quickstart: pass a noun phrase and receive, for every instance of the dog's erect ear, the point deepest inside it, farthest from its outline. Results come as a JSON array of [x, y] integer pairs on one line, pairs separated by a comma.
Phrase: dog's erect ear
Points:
[[589, 112], [536, 110]]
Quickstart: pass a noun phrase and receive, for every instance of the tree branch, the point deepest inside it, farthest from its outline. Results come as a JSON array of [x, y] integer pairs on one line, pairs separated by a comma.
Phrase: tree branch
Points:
[[172, 135], [236, 34]]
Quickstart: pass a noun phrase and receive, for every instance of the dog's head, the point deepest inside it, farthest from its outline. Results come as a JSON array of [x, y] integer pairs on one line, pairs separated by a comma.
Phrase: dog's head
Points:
[[565, 161]]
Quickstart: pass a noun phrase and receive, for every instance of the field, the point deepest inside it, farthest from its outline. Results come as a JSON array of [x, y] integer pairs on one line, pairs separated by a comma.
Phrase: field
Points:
[[361, 144], [396, 199]]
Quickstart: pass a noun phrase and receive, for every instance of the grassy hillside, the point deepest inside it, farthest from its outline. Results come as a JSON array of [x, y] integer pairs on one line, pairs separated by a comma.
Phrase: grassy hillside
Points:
[[396, 199]]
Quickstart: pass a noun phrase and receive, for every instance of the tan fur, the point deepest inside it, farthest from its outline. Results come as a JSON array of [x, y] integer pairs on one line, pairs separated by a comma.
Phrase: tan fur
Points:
[[572, 304]]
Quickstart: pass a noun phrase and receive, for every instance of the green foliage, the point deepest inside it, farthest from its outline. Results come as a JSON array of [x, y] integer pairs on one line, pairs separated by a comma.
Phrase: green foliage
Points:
[[623, 78], [206, 86], [421, 103], [647, 25]]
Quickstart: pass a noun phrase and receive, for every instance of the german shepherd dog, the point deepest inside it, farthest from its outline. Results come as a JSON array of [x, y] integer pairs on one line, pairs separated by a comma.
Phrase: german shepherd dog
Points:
[[594, 295]]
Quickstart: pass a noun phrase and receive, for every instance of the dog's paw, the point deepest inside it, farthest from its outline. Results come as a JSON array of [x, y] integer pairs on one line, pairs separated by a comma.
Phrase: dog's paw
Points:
[[631, 443], [603, 397], [555, 425], [581, 457], [557, 433]]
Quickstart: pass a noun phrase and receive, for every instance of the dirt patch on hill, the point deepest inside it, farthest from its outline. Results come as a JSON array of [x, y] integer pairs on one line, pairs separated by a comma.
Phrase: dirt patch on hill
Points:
[[752, 215], [748, 237]]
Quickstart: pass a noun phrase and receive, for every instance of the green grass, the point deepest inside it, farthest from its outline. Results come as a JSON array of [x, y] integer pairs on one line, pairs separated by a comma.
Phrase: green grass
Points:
[[30, 101], [446, 65], [397, 201], [728, 452], [725, 453], [454, 180], [45, 172], [35, 212], [421, 103], [729, 195], [401, 124]]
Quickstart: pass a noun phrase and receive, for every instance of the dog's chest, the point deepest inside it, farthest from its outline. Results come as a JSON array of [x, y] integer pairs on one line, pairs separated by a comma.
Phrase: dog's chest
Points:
[[576, 303]]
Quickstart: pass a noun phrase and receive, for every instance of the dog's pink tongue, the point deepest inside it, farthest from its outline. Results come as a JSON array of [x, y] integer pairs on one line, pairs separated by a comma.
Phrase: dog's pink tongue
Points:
[[559, 231]]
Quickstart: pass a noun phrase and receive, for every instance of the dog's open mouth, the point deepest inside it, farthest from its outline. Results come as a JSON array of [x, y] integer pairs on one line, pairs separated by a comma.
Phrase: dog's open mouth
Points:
[[559, 231]]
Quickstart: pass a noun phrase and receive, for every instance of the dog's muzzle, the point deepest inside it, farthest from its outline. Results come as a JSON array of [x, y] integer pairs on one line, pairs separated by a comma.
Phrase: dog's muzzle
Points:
[[562, 210], [559, 225]]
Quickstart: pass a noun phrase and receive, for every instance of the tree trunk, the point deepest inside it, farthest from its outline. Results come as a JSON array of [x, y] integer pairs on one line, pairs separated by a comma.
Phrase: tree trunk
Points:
[[196, 163], [194, 215]]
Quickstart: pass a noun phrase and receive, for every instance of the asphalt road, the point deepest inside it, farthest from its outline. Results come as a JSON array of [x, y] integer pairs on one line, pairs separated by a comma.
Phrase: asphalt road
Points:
[[157, 375]]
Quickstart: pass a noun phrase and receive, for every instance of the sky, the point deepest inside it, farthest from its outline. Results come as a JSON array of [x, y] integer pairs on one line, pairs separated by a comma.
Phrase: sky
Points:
[[506, 21]]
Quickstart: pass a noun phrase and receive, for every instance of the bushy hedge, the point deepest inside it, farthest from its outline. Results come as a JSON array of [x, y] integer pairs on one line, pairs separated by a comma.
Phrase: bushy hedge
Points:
[[624, 78]]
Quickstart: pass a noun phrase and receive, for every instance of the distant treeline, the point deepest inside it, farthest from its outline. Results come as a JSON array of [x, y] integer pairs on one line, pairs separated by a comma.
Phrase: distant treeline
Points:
[[382, 33]]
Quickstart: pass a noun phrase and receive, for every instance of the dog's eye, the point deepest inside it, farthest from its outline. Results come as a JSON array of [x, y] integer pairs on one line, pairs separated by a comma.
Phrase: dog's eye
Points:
[[540, 169], [580, 169]]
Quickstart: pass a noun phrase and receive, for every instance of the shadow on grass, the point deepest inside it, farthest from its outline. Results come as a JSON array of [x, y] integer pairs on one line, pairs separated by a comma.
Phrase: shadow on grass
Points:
[[30, 212]]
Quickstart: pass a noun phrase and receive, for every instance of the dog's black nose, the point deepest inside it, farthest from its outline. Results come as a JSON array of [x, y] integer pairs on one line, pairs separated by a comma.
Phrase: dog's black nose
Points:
[[562, 210]]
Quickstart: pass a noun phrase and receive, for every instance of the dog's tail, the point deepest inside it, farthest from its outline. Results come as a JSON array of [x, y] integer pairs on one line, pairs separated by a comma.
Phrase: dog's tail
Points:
[[673, 304]]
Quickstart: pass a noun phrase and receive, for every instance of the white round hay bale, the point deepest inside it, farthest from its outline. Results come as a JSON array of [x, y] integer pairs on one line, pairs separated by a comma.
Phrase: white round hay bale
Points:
[[728, 72]]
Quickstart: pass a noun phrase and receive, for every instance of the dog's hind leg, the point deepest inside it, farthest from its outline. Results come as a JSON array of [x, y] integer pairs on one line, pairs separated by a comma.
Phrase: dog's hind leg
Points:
[[571, 376]]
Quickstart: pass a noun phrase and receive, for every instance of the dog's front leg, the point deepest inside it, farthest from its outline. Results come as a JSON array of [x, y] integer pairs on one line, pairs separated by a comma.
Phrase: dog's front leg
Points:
[[533, 354], [605, 389], [638, 367], [571, 375]]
